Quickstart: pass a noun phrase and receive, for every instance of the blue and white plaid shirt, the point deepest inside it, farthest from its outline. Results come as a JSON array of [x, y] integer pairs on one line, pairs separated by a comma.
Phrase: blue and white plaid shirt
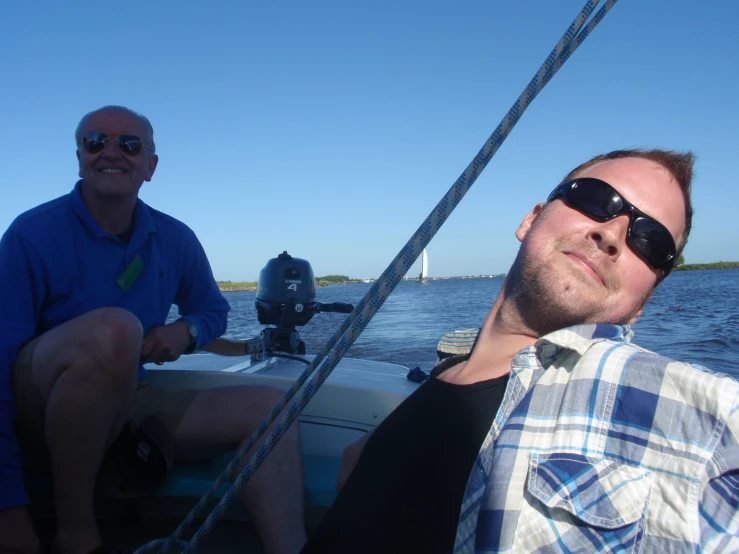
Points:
[[602, 446]]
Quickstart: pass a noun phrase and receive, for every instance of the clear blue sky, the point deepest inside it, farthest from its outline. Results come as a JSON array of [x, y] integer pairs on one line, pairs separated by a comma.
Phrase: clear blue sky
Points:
[[331, 129]]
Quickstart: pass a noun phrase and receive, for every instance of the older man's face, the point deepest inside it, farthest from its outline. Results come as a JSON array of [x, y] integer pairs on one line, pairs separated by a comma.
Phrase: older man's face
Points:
[[111, 173], [579, 270]]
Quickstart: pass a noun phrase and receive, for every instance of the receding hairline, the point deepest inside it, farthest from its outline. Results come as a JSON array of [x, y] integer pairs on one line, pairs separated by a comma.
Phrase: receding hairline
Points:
[[142, 118], [616, 160]]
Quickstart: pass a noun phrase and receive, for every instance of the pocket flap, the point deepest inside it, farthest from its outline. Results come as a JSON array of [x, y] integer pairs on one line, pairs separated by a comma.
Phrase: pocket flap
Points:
[[600, 492]]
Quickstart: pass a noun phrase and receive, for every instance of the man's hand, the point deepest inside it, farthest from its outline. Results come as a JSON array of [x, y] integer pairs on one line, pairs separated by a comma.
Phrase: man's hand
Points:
[[165, 343], [17, 535]]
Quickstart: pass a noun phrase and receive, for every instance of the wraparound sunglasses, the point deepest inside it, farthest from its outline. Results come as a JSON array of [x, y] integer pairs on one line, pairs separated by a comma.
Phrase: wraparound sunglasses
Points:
[[647, 237]]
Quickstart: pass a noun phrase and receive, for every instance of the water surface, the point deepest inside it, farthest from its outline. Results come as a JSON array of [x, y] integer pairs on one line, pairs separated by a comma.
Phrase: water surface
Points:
[[693, 316]]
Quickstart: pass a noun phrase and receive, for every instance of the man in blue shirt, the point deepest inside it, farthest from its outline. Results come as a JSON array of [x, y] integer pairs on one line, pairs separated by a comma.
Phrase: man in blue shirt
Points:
[[86, 283]]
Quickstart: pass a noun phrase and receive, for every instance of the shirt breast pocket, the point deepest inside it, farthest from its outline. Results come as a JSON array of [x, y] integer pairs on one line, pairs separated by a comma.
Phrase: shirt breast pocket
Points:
[[576, 503]]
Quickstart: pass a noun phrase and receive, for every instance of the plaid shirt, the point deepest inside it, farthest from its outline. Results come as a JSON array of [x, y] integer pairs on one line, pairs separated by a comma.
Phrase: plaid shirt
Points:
[[602, 446]]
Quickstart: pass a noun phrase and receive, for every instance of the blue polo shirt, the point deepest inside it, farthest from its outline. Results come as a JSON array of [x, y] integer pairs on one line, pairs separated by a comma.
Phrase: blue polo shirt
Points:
[[57, 263]]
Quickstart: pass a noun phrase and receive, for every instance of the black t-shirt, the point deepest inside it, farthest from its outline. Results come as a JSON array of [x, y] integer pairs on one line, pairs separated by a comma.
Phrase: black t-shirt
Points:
[[405, 493]]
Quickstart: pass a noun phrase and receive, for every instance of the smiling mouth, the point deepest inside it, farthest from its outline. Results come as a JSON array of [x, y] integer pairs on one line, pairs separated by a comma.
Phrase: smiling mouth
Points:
[[585, 266], [112, 170]]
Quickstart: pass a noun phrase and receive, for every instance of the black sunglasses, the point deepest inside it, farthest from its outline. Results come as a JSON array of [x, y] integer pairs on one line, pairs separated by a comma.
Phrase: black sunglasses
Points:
[[129, 144], [647, 237]]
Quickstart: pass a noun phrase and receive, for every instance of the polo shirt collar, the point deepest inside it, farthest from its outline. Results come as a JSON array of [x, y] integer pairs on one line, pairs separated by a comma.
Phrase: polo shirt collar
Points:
[[143, 222]]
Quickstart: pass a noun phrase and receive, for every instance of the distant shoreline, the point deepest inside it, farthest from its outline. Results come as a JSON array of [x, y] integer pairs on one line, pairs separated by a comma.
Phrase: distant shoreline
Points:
[[250, 286], [714, 265], [237, 289], [228, 286]]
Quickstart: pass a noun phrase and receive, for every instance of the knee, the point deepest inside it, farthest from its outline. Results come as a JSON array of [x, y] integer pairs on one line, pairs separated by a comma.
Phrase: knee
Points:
[[114, 339], [351, 452], [273, 397], [268, 398], [117, 330]]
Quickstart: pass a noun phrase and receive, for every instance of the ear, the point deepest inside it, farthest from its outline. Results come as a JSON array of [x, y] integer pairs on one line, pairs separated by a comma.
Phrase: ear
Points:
[[153, 161], [79, 162], [528, 221]]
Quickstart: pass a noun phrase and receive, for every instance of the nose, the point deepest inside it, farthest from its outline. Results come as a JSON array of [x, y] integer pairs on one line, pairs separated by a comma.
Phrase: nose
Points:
[[111, 148], [610, 236]]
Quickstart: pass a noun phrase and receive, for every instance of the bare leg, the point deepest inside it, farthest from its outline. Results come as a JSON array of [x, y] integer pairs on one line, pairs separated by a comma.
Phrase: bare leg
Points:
[[274, 495], [86, 370]]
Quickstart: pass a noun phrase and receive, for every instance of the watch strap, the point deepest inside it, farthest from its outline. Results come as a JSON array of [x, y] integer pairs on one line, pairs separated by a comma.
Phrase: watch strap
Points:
[[193, 332]]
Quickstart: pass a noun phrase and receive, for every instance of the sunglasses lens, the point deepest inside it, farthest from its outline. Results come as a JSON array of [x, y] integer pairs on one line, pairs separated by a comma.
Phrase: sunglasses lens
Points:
[[654, 241], [596, 198], [94, 142], [129, 144]]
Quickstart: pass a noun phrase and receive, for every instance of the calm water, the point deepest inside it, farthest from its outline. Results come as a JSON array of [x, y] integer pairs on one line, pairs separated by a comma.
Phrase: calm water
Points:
[[693, 316]]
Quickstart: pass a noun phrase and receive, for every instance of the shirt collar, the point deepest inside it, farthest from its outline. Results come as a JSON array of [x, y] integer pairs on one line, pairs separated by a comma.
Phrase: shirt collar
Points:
[[143, 222], [543, 353], [579, 338]]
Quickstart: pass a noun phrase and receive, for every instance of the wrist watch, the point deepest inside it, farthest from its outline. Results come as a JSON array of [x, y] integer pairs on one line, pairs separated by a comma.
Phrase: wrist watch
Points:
[[192, 330]]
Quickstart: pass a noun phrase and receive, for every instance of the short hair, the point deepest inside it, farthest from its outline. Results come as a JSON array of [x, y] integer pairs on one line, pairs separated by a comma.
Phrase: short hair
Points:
[[142, 118], [678, 164]]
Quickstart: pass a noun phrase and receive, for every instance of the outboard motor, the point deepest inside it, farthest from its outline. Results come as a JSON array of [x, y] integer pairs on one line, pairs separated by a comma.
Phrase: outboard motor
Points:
[[286, 298]]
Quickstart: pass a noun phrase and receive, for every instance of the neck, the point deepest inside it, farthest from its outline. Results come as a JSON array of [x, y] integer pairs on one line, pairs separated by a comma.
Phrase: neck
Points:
[[502, 336], [114, 215]]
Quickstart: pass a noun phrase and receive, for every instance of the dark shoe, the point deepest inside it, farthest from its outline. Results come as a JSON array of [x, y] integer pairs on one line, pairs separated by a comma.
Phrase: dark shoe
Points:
[[138, 461]]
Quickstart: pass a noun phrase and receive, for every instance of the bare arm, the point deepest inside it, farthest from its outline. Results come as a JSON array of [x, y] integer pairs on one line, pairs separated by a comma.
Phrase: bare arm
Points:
[[349, 460]]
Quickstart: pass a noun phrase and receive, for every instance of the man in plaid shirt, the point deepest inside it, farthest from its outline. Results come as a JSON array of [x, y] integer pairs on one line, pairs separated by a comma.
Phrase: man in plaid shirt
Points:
[[595, 444], [599, 445]]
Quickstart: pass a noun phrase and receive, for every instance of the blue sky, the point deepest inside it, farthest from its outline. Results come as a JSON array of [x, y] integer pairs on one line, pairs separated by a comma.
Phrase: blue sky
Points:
[[331, 129]]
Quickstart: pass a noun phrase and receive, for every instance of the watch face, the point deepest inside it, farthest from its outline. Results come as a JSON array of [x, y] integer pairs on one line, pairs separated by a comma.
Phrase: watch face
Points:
[[192, 330]]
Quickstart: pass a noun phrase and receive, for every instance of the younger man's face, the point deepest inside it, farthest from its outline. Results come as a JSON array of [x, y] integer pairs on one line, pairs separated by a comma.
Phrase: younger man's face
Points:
[[574, 269]]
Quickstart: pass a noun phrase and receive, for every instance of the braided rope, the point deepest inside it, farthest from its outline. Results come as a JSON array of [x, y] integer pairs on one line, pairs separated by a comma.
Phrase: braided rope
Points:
[[365, 310]]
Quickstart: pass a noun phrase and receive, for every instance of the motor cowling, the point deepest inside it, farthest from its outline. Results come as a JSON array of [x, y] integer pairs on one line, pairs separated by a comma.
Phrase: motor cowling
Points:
[[286, 292]]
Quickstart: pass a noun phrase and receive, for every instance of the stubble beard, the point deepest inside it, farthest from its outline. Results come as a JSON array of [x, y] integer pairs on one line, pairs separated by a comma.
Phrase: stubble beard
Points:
[[546, 299]]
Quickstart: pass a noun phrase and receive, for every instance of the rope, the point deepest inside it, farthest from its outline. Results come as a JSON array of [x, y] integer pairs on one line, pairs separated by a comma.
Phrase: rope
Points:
[[353, 325]]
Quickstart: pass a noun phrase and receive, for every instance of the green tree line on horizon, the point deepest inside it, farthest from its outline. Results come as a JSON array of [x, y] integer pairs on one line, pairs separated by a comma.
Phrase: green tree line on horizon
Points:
[[680, 265], [335, 280], [233, 286]]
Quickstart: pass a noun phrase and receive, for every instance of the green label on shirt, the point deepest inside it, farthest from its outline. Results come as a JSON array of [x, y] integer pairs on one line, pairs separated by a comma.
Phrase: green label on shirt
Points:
[[128, 277]]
